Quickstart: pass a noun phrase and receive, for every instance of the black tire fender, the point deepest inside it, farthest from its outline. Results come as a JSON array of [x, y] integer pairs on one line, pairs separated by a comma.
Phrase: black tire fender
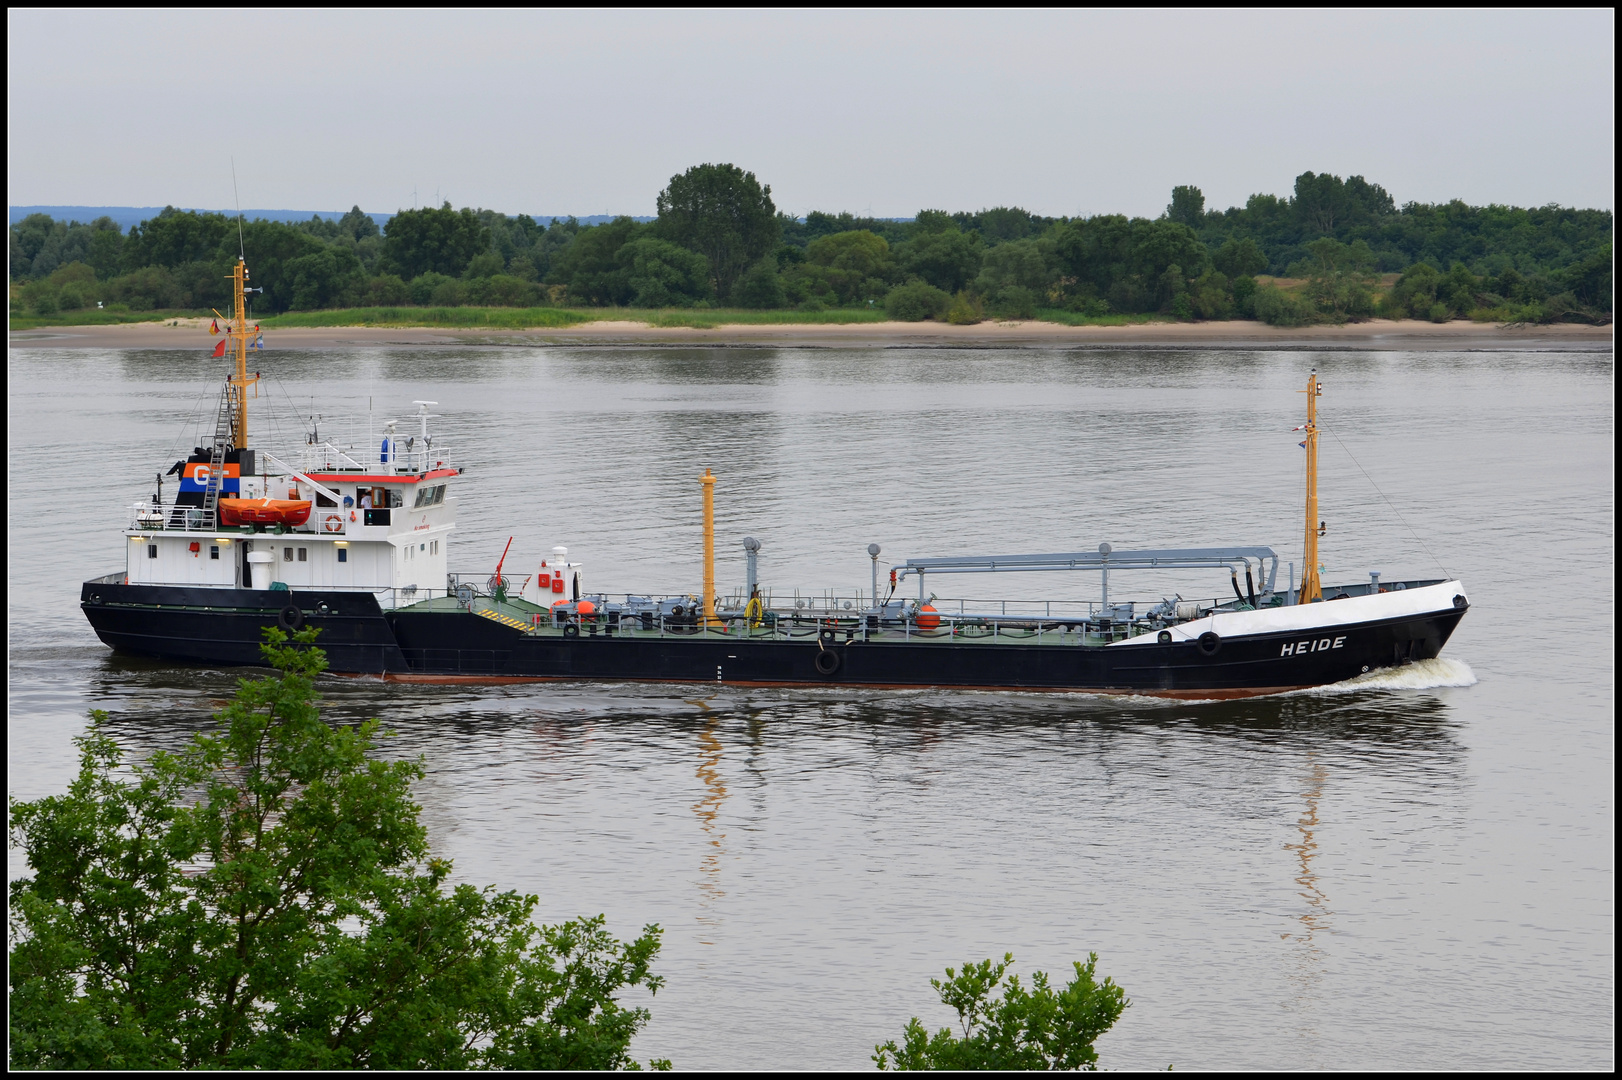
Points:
[[1210, 644], [827, 662], [290, 618], [570, 630]]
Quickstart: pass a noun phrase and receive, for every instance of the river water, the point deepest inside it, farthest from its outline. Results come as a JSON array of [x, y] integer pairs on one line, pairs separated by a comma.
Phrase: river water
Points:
[[1411, 873]]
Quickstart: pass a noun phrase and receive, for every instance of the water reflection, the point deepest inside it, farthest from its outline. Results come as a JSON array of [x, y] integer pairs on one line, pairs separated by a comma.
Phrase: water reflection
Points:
[[708, 810], [1307, 977]]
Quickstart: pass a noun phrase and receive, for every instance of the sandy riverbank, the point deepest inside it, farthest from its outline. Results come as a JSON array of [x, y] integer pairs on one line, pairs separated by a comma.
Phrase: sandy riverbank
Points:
[[1377, 334]]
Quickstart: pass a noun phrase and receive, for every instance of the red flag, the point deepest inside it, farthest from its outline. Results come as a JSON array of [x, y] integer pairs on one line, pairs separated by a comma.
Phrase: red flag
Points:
[[219, 350], [214, 327]]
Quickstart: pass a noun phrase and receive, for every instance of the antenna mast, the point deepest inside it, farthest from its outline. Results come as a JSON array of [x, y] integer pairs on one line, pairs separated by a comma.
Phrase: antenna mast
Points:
[[238, 330]]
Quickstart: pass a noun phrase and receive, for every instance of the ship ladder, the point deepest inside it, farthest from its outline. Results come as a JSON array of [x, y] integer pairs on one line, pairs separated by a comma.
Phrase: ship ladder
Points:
[[216, 462]]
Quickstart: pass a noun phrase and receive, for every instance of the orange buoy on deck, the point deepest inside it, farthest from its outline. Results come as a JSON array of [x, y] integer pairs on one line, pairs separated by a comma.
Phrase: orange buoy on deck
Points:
[[586, 608], [264, 511], [927, 619]]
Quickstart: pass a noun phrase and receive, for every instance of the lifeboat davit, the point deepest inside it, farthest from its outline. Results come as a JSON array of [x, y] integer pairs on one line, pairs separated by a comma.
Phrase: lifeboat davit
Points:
[[264, 511]]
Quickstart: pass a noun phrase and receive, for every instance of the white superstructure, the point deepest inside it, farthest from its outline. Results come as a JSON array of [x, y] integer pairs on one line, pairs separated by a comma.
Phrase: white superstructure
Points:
[[380, 521]]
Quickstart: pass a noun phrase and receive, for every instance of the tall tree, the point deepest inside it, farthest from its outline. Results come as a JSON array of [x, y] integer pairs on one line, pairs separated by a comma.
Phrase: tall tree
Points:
[[724, 214], [1187, 206]]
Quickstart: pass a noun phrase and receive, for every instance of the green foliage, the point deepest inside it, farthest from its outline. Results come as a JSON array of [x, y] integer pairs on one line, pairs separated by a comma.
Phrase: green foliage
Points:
[[1018, 276], [591, 268], [175, 238], [1187, 206], [846, 267], [1239, 257], [1211, 296], [146, 289], [358, 224], [1424, 292], [1341, 285], [916, 301], [940, 253], [266, 899], [442, 240], [965, 310], [1546, 263], [1244, 296], [663, 274], [1130, 262], [761, 286], [1035, 1028], [1275, 307], [1001, 224], [724, 214]]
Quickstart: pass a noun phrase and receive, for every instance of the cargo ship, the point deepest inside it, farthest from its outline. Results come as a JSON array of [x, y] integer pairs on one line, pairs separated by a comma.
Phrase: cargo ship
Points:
[[355, 542]]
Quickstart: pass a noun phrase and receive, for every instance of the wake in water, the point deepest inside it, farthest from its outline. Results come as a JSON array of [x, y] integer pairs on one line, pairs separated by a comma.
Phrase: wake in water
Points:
[[1420, 675]]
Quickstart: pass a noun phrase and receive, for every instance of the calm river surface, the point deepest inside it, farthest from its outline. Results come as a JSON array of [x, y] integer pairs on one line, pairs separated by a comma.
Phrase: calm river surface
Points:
[[1413, 874]]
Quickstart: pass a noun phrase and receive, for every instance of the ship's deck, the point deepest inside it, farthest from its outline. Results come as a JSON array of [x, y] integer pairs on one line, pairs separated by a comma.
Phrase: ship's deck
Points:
[[834, 624]]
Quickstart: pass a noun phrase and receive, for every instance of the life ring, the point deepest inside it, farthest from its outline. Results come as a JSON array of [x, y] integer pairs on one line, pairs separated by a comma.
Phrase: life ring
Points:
[[827, 662], [570, 630], [290, 618], [333, 523], [1210, 644], [1164, 637]]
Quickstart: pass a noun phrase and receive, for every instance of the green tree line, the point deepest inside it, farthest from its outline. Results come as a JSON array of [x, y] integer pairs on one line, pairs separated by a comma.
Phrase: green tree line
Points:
[[719, 240]]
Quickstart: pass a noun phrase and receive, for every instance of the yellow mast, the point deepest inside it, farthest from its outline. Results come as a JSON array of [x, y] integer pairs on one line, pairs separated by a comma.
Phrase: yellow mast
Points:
[[239, 333], [709, 547], [1311, 588]]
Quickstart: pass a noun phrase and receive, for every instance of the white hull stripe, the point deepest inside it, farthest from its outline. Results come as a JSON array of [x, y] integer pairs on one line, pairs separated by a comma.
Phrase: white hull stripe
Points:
[[1311, 617]]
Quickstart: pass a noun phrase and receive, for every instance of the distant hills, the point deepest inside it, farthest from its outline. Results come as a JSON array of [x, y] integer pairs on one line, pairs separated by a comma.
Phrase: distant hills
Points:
[[126, 216]]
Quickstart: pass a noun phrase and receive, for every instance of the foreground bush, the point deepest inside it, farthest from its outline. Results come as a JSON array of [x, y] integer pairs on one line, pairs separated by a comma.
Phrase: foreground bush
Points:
[[1039, 1028], [265, 900]]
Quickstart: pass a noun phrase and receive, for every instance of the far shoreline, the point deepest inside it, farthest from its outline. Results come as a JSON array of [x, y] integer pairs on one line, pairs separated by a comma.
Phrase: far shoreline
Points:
[[1381, 335]]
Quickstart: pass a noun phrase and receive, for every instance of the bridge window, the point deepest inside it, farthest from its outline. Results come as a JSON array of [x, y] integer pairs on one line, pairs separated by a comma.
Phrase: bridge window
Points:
[[439, 494]]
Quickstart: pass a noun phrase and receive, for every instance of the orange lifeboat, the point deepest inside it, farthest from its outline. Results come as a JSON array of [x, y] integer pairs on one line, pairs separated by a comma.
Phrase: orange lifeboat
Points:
[[264, 511]]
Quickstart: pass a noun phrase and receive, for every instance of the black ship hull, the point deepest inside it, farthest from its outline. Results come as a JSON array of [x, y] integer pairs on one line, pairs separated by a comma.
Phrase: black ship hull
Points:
[[224, 627]]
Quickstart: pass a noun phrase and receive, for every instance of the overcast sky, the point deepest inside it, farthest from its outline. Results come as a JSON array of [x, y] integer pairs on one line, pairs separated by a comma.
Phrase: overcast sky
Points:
[[872, 112]]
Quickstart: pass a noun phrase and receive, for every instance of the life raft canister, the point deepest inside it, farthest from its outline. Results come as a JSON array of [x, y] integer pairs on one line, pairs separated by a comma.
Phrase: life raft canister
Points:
[[333, 523]]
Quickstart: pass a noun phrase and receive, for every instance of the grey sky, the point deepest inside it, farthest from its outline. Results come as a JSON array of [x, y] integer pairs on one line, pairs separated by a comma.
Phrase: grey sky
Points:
[[872, 112]]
